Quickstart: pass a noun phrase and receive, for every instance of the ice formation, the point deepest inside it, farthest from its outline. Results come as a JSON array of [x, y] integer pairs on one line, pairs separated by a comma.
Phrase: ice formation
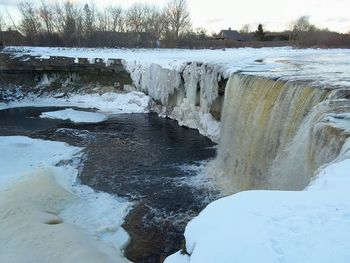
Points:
[[186, 94], [75, 116]]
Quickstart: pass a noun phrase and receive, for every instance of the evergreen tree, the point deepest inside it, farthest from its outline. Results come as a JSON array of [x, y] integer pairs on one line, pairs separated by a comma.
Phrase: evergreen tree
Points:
[[260, 34]]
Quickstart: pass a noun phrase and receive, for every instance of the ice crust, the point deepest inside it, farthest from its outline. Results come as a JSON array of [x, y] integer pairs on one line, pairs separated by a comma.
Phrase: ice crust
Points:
[[75, 116]]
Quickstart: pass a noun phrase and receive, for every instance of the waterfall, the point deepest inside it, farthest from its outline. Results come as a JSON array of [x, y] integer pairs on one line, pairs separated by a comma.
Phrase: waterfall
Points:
[[272, 134], [276, 134]]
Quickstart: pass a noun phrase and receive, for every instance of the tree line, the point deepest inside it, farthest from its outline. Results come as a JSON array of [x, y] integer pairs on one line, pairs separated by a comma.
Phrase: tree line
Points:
[[142, 25], [71, 24]]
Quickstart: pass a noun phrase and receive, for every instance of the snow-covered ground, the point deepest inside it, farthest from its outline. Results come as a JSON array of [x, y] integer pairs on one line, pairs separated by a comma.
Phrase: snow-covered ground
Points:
[[47, 216], [322, 66], [76, 116], [276, 226]]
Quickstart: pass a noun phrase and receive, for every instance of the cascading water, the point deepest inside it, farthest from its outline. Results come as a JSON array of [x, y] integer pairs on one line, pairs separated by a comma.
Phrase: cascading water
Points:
[[275, 134]]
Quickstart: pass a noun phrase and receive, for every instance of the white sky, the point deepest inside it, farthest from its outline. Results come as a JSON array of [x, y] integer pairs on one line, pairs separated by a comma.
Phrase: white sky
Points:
[[221, 14]]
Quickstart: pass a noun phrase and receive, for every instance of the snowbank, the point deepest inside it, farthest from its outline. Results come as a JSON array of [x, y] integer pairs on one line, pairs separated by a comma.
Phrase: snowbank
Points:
[[276, 226], [32, 229], [46, 215], [75, 116]]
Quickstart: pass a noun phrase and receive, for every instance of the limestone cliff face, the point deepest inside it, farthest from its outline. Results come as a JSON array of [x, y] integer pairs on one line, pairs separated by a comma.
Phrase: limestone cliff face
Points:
[[61, 74]]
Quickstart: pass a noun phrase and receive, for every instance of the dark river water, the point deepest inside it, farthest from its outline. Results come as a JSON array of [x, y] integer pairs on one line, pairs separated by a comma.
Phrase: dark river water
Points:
[[150, 160]]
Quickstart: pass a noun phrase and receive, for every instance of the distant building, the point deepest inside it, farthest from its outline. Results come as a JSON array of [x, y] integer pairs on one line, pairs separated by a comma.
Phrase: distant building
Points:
[[230, 35], [12, 38]]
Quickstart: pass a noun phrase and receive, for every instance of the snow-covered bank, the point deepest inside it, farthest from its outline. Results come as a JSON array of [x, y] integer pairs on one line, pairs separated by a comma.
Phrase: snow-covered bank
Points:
[[46, 215], [75, 116], [276, 226]]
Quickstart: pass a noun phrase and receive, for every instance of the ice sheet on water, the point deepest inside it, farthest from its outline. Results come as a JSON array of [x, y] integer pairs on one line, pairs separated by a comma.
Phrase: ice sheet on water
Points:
[[75, 116]]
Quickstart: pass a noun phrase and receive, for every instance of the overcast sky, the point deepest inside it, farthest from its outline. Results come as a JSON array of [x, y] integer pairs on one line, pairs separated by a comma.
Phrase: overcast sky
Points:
[[221, 14]]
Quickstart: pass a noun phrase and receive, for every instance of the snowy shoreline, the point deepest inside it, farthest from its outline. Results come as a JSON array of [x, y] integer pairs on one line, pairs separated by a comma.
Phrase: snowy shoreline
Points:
[[84, 223], [45, 211]]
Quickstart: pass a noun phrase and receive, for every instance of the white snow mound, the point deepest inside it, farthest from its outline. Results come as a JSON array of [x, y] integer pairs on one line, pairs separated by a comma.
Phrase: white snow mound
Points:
[[46, 215], [276, 226]]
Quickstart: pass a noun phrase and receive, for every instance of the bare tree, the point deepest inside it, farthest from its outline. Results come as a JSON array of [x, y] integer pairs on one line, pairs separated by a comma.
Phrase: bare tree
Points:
[[245, 29], [79, 25], [89, 18], [155, 21], [58, 18], [46, 15], [103, 20], [135, 17], [302, 24], [2, 22], [30, 23], [117, 20], [178, 18], [12, 20]]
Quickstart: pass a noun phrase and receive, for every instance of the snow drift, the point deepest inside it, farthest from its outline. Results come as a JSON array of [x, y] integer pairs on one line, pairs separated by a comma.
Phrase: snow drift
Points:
[[46, 215], [275, 226]]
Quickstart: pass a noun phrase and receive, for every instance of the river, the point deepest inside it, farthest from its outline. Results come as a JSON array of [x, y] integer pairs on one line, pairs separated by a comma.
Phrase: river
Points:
[[149, 160]]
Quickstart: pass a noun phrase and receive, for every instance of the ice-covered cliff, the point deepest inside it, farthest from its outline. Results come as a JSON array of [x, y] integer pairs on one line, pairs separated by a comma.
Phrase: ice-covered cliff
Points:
[[189, 94], [188, 84]]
